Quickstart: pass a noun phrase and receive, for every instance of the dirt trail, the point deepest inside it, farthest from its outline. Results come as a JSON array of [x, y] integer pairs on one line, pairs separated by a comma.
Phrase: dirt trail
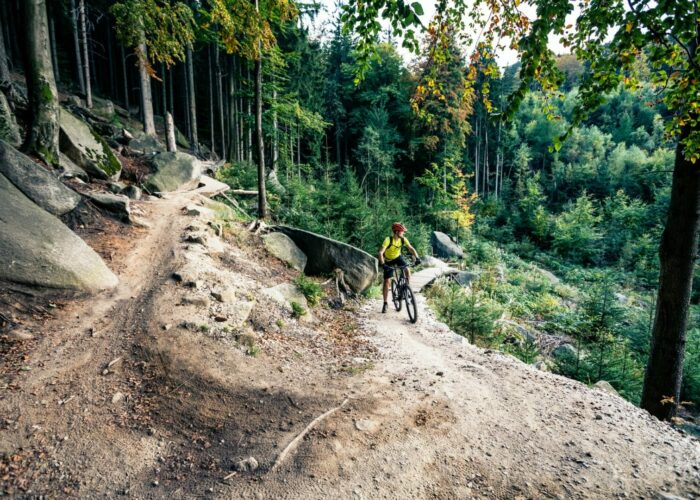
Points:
[[191, 393]]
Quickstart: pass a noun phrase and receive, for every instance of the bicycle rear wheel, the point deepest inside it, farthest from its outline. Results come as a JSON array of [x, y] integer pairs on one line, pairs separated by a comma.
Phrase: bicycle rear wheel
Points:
[[411, 308], [395, 295]]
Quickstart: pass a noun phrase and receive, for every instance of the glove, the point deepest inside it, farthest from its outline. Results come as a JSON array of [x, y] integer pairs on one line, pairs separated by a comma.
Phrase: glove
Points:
[[418, 261]]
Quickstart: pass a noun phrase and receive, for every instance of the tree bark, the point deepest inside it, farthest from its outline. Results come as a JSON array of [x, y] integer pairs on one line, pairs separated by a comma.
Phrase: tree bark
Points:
[[211, 102], [52, 35], [262, 201], [76, 46], [192, 101], [42, 138], [149, 126], [677, 253], [86, 57], [126, 80], [220, 101], [5, 78], [275, 134], [170, 142]]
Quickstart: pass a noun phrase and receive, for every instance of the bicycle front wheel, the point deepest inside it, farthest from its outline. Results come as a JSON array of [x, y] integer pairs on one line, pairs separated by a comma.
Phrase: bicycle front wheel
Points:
[[411, 308], [395, 295]]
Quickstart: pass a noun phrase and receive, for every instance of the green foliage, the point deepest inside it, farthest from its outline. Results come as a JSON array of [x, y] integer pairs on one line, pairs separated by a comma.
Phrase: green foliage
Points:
[[297, 310], [576, 235], [311, 290]]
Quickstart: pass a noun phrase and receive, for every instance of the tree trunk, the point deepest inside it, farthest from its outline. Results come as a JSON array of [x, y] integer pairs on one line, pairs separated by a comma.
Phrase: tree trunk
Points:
[[192, 101], [149, 126], [52, 35], [232, 109], [170, 132], [126, 81], [211, 102], [677, 253], [186, 85], [5, 78], [220, 101], [42, 138], [262, 202], [110, 60], [275, 133], [76, 46], [86, 57]]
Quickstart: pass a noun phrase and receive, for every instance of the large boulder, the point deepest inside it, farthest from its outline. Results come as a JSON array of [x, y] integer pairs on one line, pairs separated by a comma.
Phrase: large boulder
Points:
[[103, 108], [87, 149], [37, 183], [605, 386], [38, 249], [9, 130], [283, 247], [464, 278], [444, 247], [70, 170], [173, 171], [117, 204], [565, 352], [143, 144], [324, 255]]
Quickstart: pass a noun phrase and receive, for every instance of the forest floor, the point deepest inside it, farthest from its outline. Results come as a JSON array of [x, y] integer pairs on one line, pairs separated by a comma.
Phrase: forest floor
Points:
[[148, 392]]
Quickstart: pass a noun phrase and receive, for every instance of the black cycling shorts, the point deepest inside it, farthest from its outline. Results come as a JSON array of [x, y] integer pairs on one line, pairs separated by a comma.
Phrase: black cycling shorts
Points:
[[397, 262]]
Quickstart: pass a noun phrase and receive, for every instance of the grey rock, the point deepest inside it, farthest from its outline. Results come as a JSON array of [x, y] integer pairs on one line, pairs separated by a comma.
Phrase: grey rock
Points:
[[103, 108], [225, 295], [247, 465], [9, 130], [283, 247], [87, 149], [464, 278], [38, 249], [143, 144], [324, 255], [444, 247], [37, 183], [286, 293], [520, 330], [605, 386], [116, 187], [565, 351], [551, 277], [117, 204], [542, 366], [132, 192], [196, 301], [74, 100], [173, 171], [70, 170]]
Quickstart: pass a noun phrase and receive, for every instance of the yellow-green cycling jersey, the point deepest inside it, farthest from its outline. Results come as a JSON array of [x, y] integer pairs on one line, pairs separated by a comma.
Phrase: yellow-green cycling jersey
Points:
[[392, 247]]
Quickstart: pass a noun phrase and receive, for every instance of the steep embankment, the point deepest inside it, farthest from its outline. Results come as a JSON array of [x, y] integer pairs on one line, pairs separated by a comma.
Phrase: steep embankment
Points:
[[162, 388]]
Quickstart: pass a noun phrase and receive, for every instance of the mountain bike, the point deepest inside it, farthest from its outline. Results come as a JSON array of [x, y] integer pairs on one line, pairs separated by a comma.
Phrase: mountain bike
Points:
[[401, 292]]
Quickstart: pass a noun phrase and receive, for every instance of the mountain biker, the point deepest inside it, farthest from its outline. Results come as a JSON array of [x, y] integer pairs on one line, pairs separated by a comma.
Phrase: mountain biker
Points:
[[391, 251]]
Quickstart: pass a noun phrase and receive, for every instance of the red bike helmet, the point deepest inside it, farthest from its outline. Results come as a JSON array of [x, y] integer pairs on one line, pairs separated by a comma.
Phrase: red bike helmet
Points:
[[397, 226]]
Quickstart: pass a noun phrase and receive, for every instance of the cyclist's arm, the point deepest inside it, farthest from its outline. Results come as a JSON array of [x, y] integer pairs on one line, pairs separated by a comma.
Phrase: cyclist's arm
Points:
[[412, 250], [381, 255]]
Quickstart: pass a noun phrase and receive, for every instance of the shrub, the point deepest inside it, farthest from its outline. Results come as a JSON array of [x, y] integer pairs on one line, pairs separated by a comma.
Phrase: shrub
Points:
[[297, 310], [311, 290]]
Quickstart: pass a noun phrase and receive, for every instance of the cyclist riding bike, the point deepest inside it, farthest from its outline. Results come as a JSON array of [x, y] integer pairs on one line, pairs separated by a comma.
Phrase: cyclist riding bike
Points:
[[390, 257]]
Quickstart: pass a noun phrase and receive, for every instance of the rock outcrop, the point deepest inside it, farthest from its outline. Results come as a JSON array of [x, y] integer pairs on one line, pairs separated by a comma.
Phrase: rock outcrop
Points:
[[444, 247], [37, 183], [283, 247], [9, 130], [117, 204], [69, 170], [87, 149], [285, 294], [324, 255], [172, 172], [38, 249]]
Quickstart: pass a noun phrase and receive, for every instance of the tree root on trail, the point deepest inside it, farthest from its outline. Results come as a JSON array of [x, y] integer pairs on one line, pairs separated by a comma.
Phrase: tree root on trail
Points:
[[295, 442]]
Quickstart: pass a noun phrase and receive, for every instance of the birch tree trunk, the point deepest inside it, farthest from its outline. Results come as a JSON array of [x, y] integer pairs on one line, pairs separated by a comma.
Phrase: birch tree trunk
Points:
[[170, 142], [86, 57], [42, 138], [149, 126], [192, 101]]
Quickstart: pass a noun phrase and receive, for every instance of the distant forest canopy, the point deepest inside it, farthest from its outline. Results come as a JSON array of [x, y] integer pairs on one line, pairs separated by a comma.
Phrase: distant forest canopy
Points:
[[428, 144]]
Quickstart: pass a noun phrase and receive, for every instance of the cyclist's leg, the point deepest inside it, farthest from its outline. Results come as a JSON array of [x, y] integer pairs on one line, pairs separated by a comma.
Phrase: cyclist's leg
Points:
[[385, 289]]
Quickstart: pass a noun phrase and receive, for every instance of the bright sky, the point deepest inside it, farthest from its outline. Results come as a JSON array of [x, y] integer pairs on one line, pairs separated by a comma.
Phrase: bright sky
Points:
[[322, 27]]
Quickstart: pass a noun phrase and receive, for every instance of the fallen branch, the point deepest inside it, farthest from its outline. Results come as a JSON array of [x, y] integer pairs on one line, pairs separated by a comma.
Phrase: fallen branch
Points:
[[244, 192], [291, 446]]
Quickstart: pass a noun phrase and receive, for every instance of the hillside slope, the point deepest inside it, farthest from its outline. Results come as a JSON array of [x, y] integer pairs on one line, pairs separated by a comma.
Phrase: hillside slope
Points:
[[163, 387]]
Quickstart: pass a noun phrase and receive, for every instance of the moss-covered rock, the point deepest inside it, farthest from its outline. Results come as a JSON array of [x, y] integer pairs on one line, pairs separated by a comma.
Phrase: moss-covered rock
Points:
[[38, 249], [87, 149], [172, 172], [9, 130]]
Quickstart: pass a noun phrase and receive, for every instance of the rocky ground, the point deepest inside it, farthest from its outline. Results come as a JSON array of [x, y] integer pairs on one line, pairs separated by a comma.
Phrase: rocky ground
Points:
[[194, 379]]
